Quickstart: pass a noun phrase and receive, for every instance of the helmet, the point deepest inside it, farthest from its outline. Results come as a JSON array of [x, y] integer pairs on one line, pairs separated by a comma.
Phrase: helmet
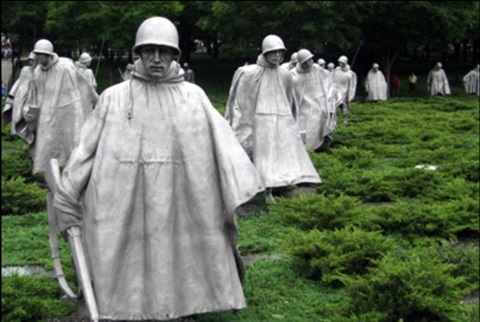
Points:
[[439, 65], [157, 31], [43, 46], [321, 61], [85, 58], [272, 43], [294, 58], [31, 55], [304, 55], [331, 65], [343, 59], [375, 65]]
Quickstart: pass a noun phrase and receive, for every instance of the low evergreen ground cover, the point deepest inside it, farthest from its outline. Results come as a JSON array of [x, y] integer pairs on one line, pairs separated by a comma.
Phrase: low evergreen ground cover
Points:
[[381, 239]]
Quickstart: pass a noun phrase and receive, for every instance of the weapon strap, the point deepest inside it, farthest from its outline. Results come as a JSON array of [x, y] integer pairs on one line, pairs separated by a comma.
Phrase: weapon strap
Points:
[[52, 227]]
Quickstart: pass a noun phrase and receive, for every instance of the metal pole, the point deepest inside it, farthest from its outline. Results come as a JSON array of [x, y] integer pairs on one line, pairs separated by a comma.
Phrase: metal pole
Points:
[[358, 49]]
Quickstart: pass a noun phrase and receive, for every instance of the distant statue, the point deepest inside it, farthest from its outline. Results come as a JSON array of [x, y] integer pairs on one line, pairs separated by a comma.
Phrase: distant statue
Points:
[[59, 102], [312, 93], [17, 100], [375, 85], [471, 82], [128, 73], [345, 81], [290, 64], [322, 63], [437, 81], [83, 63], [189, 74], [331, 67], [262, 112]]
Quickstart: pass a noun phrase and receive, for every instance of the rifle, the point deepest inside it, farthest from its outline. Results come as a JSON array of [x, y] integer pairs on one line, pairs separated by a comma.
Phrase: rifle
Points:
[[52, 176]]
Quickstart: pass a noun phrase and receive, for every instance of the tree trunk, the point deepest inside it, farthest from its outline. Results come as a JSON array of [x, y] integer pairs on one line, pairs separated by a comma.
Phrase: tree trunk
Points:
[[476, 44], [388, 59], [457, 47], [427, 53]]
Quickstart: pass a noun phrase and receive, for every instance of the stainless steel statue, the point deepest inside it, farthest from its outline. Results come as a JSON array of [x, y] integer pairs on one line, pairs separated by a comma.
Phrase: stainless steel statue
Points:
[[153, 185], [262, 113]]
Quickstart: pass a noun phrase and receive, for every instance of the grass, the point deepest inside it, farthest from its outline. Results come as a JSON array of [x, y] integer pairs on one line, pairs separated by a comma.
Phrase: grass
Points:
[[369, 181]]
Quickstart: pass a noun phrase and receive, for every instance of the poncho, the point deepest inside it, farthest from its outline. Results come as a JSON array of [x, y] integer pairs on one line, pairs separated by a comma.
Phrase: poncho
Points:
[[471, 82], [18, 98], [156, 179], [376, 86], [437, 82], [345, 83], [64, 98], [87, 73], [259, 109], [311, 92]]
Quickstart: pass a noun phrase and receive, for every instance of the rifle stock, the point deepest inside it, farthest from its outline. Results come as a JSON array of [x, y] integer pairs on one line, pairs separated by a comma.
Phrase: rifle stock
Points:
[[52, 176]]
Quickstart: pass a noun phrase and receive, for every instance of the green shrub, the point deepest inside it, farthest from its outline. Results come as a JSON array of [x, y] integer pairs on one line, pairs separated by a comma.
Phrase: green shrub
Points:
[[413, 183], [20, 198], [317, 211], [17, 164], [410, 286], [29, 298], [466, 259], [353, 157], [6, 135], [433, 220], [466, 169], [328, 255]]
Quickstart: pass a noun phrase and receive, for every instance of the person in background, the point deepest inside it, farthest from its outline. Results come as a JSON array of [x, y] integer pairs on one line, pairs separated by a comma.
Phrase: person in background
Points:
[[262, 113], [375, 85], [189, 74], [128, 73], [312, 93], [395, 85], [331, 67], [82, 64], [471, 81], [345, 82], [412, 83], [154, 182], [292, 63], [59, 102], [322, 63], [17, 100], [437, 81]]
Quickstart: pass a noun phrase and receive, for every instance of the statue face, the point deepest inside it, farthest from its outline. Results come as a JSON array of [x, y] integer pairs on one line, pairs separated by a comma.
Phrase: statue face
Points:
[[308, 64], [275, 57], [42, 59], [156, 59]]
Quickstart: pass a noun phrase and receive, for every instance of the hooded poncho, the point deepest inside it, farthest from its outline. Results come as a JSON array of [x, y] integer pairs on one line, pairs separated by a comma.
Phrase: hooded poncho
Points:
[[312, 92], [155, 180], [87, 73], [64, 98], [471, 82], [376, 86], [18, 97], [437, 82], [345, 83], [259, 109]]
